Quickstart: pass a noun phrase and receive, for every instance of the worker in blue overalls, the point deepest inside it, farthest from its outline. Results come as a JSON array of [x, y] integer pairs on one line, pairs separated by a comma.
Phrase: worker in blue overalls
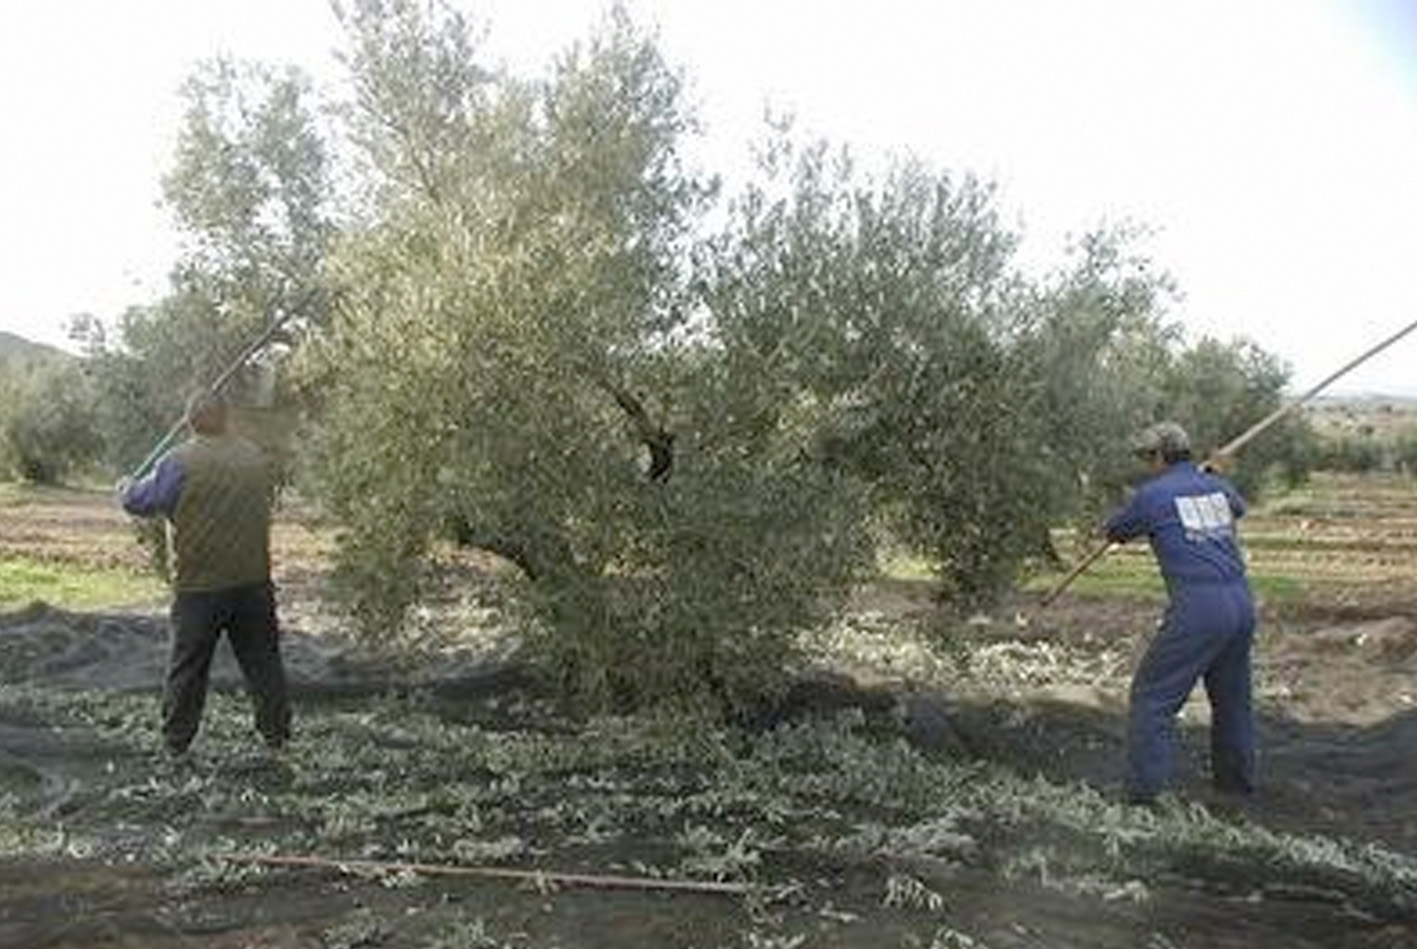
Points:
[[1189, 514]]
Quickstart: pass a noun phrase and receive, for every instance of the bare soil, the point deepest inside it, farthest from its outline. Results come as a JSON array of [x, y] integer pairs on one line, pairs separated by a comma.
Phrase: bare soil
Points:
[[1045, 694]]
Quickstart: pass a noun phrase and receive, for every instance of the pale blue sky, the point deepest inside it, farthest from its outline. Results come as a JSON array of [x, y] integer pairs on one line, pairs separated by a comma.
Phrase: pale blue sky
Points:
[[1272, 144]]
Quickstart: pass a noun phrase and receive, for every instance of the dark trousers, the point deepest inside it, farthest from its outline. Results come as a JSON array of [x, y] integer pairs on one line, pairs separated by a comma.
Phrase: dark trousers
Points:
[[247, 615], [1206, 636]]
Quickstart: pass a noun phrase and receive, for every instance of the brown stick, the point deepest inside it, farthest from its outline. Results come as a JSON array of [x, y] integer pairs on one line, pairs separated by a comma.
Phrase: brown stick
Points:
[[1235, 444], [502, 873], [1076, 572]]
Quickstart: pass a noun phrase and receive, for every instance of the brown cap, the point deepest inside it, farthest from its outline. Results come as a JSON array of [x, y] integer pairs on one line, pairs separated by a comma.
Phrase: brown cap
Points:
[[206, 413], [1164, 438]]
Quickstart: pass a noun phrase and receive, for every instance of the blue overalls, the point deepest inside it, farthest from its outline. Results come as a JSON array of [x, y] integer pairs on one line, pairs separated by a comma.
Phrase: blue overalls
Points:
[[1189, 517]]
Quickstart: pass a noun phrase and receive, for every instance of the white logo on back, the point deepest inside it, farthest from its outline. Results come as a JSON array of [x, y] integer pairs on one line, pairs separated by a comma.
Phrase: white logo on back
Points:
[[1205, 513]]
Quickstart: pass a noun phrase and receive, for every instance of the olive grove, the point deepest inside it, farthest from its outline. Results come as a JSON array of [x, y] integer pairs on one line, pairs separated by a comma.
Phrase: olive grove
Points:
[[688, 417]]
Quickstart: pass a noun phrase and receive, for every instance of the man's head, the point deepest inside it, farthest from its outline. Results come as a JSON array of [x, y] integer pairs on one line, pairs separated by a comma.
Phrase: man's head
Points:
[[1165, 441], [206, 413]]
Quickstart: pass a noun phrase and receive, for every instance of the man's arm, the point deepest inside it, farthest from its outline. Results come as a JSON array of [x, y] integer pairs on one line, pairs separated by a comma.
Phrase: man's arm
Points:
[[1238, 506], [1128, 523], [155, 494]]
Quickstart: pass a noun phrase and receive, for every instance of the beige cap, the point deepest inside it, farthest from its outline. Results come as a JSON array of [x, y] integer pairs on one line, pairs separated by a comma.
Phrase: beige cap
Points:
[[1163, 438]]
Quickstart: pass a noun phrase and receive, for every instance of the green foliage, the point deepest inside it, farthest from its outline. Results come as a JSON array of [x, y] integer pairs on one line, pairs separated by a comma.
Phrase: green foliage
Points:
[[249, 190], [1380, 438], [1405, 451], [964, 398], [249, 184], [1218, 391], [1358, 453], [48, 429], [505, 356], [68, 586]]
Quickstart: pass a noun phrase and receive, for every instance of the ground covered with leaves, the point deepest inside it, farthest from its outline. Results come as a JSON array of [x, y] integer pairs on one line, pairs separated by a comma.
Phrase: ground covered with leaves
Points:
[[929, 783]]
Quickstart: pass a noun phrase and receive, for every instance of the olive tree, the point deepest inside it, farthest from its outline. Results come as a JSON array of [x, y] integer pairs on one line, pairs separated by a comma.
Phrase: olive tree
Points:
[[515, 364], [687, 438], [47, 432], [249, 192], [963, 397]]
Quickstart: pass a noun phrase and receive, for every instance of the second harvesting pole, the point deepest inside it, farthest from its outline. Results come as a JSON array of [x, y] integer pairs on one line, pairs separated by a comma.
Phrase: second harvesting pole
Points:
[[1238, 442]]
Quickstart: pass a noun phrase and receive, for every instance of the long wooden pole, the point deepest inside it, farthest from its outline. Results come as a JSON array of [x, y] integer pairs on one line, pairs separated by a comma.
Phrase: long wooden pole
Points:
[[501, 873], [1235, 444], [1238, 442], [1094, 555]]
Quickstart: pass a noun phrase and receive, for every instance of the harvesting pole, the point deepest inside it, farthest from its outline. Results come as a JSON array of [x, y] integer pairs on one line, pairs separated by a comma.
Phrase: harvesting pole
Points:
[[1229, 449], [255, 346]]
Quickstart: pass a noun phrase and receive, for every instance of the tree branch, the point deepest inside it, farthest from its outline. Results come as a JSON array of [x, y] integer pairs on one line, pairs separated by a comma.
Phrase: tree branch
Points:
[[659, 441]]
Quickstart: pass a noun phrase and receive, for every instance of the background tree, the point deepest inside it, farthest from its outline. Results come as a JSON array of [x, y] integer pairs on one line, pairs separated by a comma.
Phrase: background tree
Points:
[[48, 432], [250, 192], [1220, 390]]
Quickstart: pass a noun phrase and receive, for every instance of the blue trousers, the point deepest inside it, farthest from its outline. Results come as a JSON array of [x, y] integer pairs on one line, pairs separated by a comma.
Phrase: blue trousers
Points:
[[248, 617], [1206, 634]]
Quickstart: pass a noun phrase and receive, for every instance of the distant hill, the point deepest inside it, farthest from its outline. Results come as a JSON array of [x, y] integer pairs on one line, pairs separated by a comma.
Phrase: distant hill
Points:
[[16, 352]]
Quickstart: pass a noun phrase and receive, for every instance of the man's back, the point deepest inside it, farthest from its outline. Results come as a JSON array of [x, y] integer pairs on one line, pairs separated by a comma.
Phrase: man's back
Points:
[[1189, 517], [221, 524]]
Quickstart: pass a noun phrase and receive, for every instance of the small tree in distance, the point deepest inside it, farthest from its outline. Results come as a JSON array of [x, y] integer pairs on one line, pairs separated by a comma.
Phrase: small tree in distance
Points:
[[49, 432]]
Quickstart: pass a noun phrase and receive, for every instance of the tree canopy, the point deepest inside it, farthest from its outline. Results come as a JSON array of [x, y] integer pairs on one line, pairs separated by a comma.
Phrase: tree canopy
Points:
[[688, 418]]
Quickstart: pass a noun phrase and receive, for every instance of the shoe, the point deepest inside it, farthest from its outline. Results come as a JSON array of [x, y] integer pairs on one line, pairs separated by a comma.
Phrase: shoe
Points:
[[1234, 802]]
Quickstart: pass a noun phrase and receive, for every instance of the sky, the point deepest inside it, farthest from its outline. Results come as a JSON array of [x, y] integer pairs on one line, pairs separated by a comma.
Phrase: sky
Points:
[[1269, 147]]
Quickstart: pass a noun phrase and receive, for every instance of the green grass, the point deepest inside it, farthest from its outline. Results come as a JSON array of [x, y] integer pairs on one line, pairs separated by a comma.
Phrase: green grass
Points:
[[1278, 588], [1117, 577], [24, 581]]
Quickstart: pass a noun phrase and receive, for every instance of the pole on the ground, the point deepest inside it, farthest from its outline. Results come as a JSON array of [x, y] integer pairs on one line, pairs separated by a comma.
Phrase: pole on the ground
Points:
[[1235, 444], [600, 881]]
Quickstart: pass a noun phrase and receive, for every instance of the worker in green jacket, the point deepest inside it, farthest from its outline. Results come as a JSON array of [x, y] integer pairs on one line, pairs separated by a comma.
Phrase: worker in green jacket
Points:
[[216, 491]]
